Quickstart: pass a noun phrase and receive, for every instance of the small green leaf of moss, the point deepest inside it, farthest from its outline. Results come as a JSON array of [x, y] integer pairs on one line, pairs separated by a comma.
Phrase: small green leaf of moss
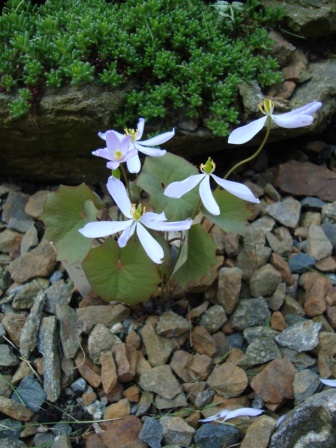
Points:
[[234, 212], [122, 274], [157, 173], [65, 211], [200, 256]]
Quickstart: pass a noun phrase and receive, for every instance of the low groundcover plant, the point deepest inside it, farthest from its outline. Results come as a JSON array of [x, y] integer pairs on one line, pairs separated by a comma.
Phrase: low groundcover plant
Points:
[[156, 240]]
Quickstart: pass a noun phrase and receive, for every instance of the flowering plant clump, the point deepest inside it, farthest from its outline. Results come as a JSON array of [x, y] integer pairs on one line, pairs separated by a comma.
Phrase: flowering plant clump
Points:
[[152, 239]]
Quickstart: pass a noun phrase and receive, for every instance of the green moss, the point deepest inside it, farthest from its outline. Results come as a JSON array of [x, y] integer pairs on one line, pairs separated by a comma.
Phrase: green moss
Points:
[[179, 54]]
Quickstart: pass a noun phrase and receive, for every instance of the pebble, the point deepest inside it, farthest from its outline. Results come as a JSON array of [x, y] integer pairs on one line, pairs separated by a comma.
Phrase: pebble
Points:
[[151, 432], [125, 430], [15, 410], [176, 431], [172, 325], [300, 262], [228, 380], [158, 348], [306, 383], [100, 340], [160, 380], [264, 281], [302, 336], [286, 212], [318, 245], [29, 335], [30, 393], [262, 349], [216, 436], [7, 357], [250, 312], [229, 286], [213, 318], [259, 433]]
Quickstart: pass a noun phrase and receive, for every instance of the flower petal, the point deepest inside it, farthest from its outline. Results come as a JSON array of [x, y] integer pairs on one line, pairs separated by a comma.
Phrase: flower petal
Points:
[[126, 235], [207, 197], [113, 164], [249, 412], [174, 226], [150, 245], [103, 152], [101, 229], [140, 128], [245, 133], [133, 163], [307, 109], [179, 188], [112, 141], [293, 121], [237, 189], [219, 415], [149, 217], [119, 194], [153, 152], [330, 383], [159, 139]]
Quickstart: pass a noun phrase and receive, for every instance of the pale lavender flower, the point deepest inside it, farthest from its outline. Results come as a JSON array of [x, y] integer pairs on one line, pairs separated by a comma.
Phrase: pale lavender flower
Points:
[[297, 118], [330, 383], [116, 151], [226, 414], [137, 221], [178, 189], [146, 146]]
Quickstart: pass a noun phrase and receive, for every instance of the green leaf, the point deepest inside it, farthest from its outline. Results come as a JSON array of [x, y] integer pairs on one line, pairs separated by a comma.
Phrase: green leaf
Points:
[[201, 255], [65, 211], [122, 274], [157, 173], [234, 212]]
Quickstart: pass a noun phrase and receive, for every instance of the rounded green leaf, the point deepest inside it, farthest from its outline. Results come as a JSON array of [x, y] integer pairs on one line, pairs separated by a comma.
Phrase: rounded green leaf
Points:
[[65, 211], [198, 254], [121, 274], [156, 174], [234, 212]]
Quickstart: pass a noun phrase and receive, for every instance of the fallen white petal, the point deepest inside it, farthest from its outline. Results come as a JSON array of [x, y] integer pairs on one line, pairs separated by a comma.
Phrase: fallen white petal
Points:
[[280, 420], [207, 198], [179, 188], [217, 416], [245, 133], [330, 383], [237, 189], [242, 412]]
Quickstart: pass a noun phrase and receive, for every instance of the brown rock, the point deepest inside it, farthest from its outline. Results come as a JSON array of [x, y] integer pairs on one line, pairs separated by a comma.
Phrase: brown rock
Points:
[[115, 410], [198, 311], [193, 389], [89, 371], [229, 285], [132, 394], [133, 339], [125, 357], [307, 179], [259, 433], [15, 409], [10, 241], [109, 377], [316, 287], [228, 380], [331, 313], [287, 90], [180, 364], [282, 266], [35, 204], [201, 366], [277, 321], [116, 394], [327, 264], [103, 314], [94, 441], [142, 365], [331, 296], [274, 383], [40, 262], [202, 341], [125, 431], [158, 348], [88, 398], [13, 323]]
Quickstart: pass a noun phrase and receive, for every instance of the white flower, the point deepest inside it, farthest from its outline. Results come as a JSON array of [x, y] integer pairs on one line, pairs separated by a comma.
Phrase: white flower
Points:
[[138, 220], [178, 189], [297, 118], [226, 414], [330, 383], [116, 151], [146, 146]]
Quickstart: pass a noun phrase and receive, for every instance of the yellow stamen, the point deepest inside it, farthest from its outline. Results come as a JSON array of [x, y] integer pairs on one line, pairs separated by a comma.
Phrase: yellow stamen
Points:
[[132, 132], [266, 106], [208, 167], [118, 154], [137, 212]]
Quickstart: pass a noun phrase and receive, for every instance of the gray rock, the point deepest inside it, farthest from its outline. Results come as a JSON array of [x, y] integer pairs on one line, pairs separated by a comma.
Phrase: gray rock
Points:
[[306, 383], [160, 380], [11, 443], [203, 398], [216, 436], [252, 333], [310, 424], [213, 318], [70, 340], [172, 325], [176, 431], [229, 285], [179, 401], [302, 336], [312, 203], [279, 246], [300, 361], [318, 245], [62, 441], [158, 348], [264, 224], [44, 439], [24, 296], [103, 314], [145, 403], [30, 393], [262, 349], [10, 428], [14, 214], [250, 312], [29, 240], [79, 385], [48, 345], [100, 341], [329, 211], [5, 279], [265, 281], [59, 293], [7, 357], [30, 329], [330, 231], [286, 212], [151, 432], [300, 262]]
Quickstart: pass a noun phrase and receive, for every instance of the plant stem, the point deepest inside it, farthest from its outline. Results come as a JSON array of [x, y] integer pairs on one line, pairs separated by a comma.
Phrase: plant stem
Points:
[[268, 129], [126, 181]]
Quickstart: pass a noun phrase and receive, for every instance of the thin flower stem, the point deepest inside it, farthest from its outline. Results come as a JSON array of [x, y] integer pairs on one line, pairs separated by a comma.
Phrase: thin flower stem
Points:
[[268, 129], [126, 181]]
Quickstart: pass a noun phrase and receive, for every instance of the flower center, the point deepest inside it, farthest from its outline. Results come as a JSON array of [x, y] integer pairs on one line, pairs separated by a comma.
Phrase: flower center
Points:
[[118, 154], [137, 212], [208, 167], [266, 106], [132, 132]]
